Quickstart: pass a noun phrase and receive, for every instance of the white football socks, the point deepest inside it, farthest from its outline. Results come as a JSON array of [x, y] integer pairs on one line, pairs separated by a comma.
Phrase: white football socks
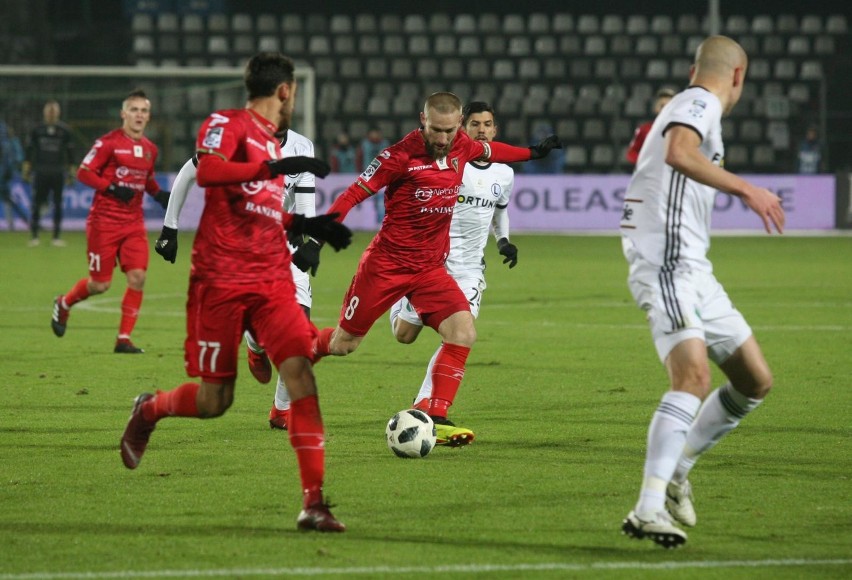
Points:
[[721, 412], [426, 388], [666, 438], [282, 397]]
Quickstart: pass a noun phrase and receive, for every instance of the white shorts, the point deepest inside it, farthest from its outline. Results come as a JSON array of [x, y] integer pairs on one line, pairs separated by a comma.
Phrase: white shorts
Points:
[[681, 305], [472, 288]]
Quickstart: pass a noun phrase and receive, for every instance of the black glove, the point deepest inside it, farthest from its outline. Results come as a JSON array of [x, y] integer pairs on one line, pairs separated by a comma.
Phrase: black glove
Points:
[[307, 257], [166, 244], [324, 228], [299, 164], [509, 250], [544, 146], [121, 192], [295, 240], [162, 197]]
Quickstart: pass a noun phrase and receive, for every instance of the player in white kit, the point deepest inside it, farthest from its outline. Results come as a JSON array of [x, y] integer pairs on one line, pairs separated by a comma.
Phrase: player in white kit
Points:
[[300, 197], [481, 207], [665, 230]]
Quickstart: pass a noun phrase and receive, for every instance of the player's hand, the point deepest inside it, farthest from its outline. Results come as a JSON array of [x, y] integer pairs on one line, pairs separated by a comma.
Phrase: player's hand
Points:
[[167, 245], [324, 228], [307, 257], [162, 197], [26, 171], [120, 192], [295, 240], [509, 251], [768, 206], [299, 164], [544, 147]]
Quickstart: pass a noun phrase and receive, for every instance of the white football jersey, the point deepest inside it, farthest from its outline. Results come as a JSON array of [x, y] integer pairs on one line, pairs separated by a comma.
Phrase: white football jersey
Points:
[[666, 216], [483, 189], [297, 144]]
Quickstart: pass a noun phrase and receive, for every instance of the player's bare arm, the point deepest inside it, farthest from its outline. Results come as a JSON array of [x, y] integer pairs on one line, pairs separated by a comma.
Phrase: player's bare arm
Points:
[[683, 154]]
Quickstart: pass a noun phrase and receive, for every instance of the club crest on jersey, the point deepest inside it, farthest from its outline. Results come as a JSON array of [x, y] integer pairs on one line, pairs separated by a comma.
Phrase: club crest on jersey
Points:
[[697, 109], [137, 150], [371, 169], [455, 163], [496, 190], [213, 137]]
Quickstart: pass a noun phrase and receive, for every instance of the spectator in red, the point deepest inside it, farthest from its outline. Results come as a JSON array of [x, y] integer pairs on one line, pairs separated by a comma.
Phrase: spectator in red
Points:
[[663, 97]]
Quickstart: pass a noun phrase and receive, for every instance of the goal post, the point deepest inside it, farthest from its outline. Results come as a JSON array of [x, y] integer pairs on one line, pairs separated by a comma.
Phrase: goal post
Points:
[[181, 98]]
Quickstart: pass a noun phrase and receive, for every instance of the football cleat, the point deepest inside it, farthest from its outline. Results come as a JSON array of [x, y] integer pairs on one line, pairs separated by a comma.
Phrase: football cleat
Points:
[[278, 418], [318, 517], [448, 434], [658, 527], [259, 366], [136, 434], [679, 503], [56, 242], [59, 320], [124, 346]]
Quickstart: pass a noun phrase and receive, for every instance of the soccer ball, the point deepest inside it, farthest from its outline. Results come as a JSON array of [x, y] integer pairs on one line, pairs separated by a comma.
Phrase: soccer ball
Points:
[[410, 433]]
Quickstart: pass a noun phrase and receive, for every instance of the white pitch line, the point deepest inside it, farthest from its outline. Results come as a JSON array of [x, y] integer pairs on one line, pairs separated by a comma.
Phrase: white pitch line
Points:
[[468, 568]]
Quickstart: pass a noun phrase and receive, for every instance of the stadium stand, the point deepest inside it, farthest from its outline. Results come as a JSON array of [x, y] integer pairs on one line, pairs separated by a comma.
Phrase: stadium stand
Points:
[[590, 73]]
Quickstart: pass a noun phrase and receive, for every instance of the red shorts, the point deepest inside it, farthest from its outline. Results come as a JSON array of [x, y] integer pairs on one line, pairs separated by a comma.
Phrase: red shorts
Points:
[[127, 244], [380, 282], [216, 317]]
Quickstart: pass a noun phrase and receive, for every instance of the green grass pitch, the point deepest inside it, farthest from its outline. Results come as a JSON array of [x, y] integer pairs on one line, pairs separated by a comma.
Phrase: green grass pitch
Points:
[[559, 390]]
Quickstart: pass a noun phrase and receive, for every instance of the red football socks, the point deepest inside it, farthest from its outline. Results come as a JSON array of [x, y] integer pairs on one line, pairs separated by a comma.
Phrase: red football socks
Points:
[[78, 293], [129, 312], [307, 436], [322, 345], [447, 374], [179, 402]]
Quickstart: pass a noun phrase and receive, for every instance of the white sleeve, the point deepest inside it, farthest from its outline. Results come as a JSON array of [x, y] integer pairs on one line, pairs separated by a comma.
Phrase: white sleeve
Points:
[[500, 220], [305, 190], [500, 223], [180, 188]]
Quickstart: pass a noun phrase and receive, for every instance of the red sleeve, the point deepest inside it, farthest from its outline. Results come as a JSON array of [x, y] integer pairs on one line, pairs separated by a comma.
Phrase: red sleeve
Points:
[[88, 177], [505, 153], [354, 194], [151, 186], [213, 170], [636, 143]]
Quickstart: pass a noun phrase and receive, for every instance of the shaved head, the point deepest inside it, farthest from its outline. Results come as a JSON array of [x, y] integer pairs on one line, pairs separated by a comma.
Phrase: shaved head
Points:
[[718, 56], [720, 67], [443, 103]]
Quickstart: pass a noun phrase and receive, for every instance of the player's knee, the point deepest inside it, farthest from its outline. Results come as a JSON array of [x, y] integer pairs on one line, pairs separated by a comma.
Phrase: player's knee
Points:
[[95, 287], [406, 333]]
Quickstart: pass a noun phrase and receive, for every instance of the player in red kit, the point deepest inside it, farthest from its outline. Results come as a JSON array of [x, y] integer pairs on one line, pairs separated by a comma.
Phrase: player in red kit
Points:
[[120, 167], [240, 279], [641, 132], [422, 174]]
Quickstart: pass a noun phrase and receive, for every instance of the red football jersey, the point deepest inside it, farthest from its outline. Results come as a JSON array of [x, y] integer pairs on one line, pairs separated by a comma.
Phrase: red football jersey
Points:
[[240, 237], [118, 158], [420, 196], [638, 140]]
